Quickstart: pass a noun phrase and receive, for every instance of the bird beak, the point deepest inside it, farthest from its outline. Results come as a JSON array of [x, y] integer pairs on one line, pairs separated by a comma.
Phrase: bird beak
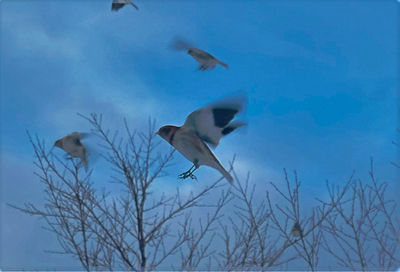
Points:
[[158, 133]]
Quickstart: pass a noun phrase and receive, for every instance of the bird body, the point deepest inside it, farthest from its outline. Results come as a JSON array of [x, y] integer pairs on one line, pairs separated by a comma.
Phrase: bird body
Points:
[[205, 125], [206, 60], [118, 4], [73, 146], [297, 231], [195, 150]]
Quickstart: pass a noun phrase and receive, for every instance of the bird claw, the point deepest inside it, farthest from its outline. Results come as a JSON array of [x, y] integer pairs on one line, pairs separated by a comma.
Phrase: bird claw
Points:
[[186, 175]]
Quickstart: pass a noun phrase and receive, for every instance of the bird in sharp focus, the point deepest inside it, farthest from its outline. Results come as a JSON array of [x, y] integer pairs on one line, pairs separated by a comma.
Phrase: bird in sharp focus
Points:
[[118, 4], [204, 126], [206, 60], [73, 146]]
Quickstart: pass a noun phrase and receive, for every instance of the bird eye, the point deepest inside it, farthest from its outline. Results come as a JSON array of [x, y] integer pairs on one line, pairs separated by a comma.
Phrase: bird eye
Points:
[[77, 141]]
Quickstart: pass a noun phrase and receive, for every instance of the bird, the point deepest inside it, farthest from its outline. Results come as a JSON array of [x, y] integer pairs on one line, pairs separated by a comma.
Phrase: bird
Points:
[[118, 4], [72, 144], [206, 60], [204, 126], [296, 230]]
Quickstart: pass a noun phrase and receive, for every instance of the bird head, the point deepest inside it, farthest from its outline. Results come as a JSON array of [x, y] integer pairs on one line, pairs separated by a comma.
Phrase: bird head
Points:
[[58, 143], [166, 132], [190, 51]]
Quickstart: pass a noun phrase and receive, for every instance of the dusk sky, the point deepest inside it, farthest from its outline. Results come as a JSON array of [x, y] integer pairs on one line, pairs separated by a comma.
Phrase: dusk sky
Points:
[[321, 79]]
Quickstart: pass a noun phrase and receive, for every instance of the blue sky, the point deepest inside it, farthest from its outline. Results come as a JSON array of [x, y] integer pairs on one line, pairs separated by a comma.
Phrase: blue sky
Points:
[[321, 80]]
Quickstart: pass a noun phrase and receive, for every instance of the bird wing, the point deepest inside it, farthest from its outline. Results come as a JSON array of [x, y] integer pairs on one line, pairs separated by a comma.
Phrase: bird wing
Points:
[[179, 44], [72, 143], [74, 147], [202, 124], [130, 2], [84, 135], [209, 122], [116, 5]]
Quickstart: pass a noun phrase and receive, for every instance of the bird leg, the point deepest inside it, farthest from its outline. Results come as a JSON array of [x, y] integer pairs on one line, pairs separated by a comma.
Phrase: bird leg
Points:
[[204, 67], [189, 173]]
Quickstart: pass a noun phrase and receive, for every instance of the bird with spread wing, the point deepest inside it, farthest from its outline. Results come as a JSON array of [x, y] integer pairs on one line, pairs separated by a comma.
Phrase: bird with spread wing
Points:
[[72, 144], [118, 4], [205, 59], [204, 126]]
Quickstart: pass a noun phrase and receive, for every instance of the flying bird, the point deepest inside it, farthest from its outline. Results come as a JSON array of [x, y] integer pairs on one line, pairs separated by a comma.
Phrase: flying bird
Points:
[[73, 146], [206, 60], [204, 126], [296, 230], [118, 4]]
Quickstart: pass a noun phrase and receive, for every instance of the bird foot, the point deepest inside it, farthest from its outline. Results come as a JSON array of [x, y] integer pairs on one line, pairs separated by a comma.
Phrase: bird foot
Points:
[[187, 174]]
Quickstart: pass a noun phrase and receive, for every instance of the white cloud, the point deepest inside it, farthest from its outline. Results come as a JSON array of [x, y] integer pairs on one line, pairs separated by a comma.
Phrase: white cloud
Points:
[[29, 37]]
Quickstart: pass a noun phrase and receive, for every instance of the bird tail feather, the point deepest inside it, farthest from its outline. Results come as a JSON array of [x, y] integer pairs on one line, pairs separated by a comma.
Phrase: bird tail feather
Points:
[[217, 165], [84, 162], [223, 64], [136, 7], [231, 127], [227, 175]]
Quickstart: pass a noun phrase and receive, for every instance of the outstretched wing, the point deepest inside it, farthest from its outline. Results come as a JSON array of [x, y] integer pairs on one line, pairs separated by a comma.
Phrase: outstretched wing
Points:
[[117, 5], [179, 44], [212, 122], [84, 135]]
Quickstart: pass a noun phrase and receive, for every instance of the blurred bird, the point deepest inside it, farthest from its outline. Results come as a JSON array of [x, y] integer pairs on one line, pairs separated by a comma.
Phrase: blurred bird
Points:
[[205, 125], [206, 60], [73, 146], [118, 4], [296, 230]]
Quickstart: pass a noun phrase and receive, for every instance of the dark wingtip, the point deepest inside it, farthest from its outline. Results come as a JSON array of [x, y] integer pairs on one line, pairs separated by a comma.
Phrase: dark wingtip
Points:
[[224, 64], [231, 128], [116, 6], [223, 115], [228, 130]]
